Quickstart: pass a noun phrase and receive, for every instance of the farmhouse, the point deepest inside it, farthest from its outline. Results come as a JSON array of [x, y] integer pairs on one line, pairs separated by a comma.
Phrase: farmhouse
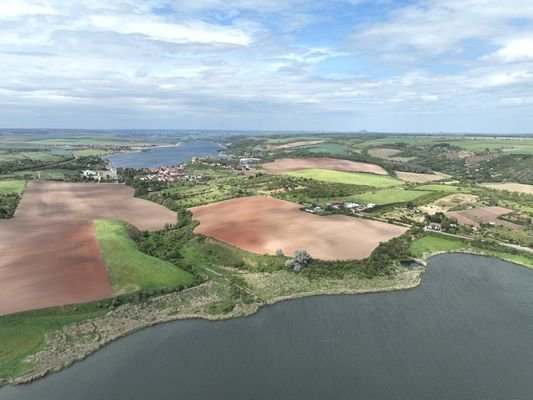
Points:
[[434, 226], [88, 174]]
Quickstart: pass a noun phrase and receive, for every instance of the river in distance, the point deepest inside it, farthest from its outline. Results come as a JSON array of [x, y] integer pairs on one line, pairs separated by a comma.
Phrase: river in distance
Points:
[[465, 333], [165, 155]]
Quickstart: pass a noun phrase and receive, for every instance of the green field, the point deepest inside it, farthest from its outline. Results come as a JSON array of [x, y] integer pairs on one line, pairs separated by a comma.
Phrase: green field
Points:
[[349, 178], [432, 243], [12, 186], [25, 333], [387, 196], [328, 148], [129, 269], [439, 188], [41, 156]]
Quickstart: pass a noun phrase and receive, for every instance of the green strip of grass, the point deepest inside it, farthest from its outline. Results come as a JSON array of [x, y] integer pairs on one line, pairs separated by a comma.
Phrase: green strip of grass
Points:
[[388, 196], [432, 243], [12, 186], [349, 178], [439, 188], [129, 269]]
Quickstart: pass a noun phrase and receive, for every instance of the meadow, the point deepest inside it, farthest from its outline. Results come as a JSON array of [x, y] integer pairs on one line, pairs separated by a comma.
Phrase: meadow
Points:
[[387, 196], [349, 178], [129, 269], [12, 186]]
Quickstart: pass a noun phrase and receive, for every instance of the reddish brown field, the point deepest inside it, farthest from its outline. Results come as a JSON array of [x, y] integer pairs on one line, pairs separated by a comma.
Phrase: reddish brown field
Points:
[[58, 200], [263, 225], [293, 144], [475, 216], [49, 264], [294, 164], [49, 255]]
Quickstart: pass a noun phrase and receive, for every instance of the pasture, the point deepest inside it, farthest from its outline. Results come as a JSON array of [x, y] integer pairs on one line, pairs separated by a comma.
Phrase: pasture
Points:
[[387, 196], [348, 178], [263, 225], [439, 188], [129, 269], [12, 186]]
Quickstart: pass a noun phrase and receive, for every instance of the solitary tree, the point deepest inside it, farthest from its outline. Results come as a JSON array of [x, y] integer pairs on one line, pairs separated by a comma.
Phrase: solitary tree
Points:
[[279, 253], [299, 260]]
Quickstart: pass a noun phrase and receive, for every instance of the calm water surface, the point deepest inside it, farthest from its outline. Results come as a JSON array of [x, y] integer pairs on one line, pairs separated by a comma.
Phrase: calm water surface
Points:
[[162, 156], [465, 333]]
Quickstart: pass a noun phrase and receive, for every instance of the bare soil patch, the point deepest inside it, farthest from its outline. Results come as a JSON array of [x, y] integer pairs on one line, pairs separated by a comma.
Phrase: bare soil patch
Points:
[[475, 216], [59, 200], [419, 178], [49, 263], [294, 164], [49, 255], [511, 187], [293, 144], [263, 225]]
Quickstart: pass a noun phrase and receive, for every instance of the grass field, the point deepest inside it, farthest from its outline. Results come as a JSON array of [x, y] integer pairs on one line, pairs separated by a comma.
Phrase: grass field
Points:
[[129, 269], [432, 243], [387, 196], [42, 156], [328, 148], [439, 188], [24, 334], [349, 178], [12, 186]]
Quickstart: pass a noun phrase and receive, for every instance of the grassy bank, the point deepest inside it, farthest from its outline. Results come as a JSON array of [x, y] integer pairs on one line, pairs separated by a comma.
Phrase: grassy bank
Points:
[[434, 243], [349, 178], [129, 269], [24, 334]]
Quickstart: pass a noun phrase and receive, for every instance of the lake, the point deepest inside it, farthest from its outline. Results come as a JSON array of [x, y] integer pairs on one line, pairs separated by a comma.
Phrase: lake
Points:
[[465, 333], [163, 156]]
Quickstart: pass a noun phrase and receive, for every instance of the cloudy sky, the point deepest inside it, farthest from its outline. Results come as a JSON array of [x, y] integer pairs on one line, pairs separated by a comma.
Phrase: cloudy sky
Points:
[[336, 65]]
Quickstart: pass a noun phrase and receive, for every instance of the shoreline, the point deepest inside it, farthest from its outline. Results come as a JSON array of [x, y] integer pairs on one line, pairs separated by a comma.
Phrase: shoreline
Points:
[[78, 341]]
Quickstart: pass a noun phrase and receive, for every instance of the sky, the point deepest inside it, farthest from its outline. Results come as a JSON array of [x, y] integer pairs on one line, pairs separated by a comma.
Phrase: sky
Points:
[[328, 65]]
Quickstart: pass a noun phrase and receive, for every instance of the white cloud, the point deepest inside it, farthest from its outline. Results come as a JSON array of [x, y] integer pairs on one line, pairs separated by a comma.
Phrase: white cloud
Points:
[[215, 63], [514, 51]]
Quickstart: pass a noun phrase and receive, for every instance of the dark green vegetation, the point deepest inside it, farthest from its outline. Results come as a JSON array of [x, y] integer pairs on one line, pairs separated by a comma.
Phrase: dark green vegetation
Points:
[[10, 194]]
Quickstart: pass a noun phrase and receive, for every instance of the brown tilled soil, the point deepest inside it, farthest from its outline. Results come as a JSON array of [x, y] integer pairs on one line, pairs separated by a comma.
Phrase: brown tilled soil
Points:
[[45, 264], [49, 255], [294, 164], [418, 178], [263, 225], [475, 216], [293, 144], [59, 200]]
